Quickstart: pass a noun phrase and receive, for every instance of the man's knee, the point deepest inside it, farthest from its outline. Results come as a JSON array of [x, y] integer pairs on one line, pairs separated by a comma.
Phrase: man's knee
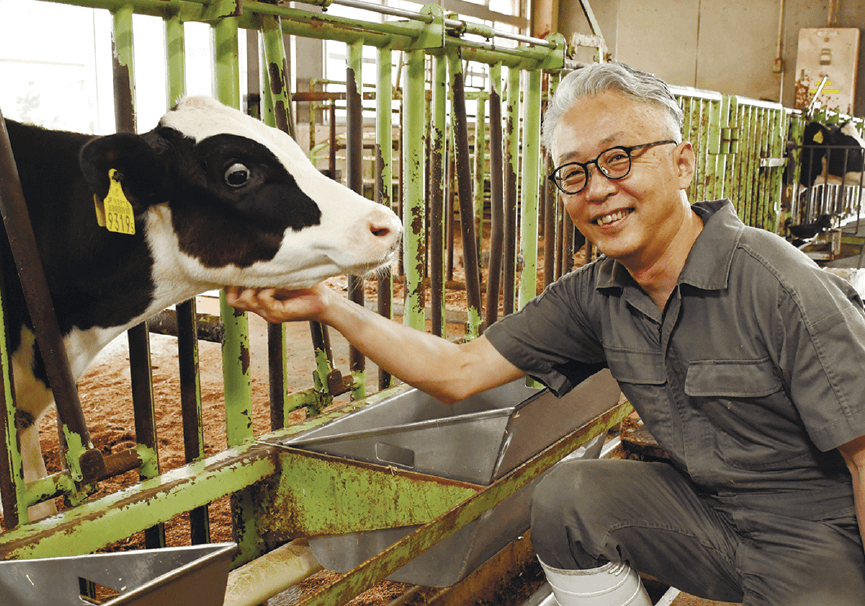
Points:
[[566, 505]]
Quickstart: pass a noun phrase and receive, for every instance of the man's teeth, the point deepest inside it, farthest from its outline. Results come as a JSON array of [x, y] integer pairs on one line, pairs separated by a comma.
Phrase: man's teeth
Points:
[[607, 219]]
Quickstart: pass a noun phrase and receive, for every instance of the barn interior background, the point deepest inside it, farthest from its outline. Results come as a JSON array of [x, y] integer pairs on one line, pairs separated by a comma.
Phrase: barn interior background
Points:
[[460, 84]]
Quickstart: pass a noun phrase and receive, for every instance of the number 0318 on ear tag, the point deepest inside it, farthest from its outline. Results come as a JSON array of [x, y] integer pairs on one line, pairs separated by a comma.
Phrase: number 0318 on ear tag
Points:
[[118, 216]]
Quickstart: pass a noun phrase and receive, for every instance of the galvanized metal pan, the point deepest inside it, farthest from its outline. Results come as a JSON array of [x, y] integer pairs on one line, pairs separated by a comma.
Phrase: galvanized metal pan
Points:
[[173, 576]]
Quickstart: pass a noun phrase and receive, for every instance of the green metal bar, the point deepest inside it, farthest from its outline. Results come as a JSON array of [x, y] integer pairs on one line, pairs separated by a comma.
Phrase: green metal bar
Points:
[[15, 495], [277, 73], [530, 190], [175, 59], [93, 525], [235, 350], [413, 195], [512, 169]]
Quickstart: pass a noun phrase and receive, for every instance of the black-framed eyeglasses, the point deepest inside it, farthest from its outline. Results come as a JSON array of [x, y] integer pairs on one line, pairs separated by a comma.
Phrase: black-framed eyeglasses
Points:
[[613, 163]]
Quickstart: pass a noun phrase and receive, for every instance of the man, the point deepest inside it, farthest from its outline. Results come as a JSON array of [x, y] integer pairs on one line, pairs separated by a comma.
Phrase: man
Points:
[[741, 356]]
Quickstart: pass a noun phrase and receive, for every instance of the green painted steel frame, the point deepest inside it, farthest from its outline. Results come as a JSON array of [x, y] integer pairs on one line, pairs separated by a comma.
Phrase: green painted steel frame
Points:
[[740, 145]]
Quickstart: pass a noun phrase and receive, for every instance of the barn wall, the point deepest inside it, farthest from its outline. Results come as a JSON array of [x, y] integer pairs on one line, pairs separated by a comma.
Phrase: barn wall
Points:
[[728, 46]]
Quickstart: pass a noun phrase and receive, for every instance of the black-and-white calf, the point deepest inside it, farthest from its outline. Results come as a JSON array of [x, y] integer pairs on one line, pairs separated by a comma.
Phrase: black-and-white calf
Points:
[[218, 199], [832, 155]]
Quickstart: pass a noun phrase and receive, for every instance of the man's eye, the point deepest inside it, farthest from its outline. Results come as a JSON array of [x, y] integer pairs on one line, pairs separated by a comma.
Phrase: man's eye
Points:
[[573, 174]]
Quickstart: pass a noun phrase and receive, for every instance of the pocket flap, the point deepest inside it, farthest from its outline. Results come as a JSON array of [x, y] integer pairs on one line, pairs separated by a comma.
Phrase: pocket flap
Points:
[[638, 367], [732, 378]]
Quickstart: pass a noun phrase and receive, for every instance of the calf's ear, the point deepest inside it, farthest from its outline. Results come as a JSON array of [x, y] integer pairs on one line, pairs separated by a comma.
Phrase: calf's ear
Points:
[[140, 170]]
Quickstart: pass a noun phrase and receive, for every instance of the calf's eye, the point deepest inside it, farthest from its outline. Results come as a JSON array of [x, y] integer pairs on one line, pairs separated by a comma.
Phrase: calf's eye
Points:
[[237, 175]]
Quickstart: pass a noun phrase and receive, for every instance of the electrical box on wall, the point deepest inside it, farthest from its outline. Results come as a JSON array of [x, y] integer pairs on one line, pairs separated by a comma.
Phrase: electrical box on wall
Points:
[[833, 54]]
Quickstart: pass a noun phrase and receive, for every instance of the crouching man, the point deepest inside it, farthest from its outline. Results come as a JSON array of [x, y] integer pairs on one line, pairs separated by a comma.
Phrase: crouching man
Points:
[[742, 357]]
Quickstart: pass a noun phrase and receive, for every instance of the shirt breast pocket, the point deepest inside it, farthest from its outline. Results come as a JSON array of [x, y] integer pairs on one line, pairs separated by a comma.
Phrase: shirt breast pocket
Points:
[[732, 379]]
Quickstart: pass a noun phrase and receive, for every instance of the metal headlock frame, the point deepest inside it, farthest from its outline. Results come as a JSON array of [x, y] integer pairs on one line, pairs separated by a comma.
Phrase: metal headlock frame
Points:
[[741, 142]]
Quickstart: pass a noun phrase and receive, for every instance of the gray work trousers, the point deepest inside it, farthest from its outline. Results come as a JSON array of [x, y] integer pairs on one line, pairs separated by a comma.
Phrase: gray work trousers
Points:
[[650, 515]]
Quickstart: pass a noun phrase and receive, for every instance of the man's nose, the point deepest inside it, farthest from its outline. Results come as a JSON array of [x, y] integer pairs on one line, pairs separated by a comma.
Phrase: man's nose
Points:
[[598, 185]]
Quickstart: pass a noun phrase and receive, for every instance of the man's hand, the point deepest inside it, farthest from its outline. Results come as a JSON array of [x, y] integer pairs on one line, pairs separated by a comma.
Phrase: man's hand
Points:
[[281, 305]]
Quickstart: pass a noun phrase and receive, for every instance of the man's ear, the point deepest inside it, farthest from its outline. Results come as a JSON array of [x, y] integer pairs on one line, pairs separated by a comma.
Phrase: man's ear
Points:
[[686, 163], [141, 172]]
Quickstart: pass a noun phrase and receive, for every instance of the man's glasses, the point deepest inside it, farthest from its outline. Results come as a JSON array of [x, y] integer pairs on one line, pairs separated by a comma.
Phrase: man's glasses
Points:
[[614, 164]]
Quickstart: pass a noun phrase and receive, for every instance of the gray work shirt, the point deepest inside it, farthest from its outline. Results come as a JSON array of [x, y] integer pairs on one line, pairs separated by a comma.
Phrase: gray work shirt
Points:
[[749, 379]]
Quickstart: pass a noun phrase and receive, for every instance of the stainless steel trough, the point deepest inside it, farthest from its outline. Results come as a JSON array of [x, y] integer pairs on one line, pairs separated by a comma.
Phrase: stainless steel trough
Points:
[[174, 576], [477, 440]]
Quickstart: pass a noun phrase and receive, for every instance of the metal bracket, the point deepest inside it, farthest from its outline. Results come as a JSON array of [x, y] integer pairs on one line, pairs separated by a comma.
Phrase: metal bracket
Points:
[[430, 35]]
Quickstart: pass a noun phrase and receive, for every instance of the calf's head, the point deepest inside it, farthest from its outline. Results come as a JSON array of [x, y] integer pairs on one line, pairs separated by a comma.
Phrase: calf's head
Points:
[[226, 200]]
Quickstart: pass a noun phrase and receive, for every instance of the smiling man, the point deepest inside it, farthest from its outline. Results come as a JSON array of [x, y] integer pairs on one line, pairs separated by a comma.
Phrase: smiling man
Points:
[[742, 357]]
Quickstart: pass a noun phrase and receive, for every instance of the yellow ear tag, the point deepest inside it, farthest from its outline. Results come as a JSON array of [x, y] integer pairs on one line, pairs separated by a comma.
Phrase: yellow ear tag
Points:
[[818, 138], [116, 213]]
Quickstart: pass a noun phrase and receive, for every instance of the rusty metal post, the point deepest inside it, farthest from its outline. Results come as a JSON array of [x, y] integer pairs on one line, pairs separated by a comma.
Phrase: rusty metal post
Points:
[[187, 333], [384, 178], [438, 138], [467, 214], [137, 336], [354, 180], [497, 207], [511, 167], [550, 216]]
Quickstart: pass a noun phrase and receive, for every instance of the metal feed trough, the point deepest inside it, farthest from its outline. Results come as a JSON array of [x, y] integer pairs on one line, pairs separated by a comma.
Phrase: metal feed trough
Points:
[[178, 576], [477, 440]]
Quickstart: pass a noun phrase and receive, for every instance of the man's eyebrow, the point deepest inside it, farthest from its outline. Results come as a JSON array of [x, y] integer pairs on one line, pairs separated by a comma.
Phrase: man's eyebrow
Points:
[[606, 141]]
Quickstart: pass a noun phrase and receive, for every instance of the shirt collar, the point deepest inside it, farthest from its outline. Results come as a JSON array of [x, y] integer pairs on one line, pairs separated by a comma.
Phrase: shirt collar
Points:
[[708, 264]]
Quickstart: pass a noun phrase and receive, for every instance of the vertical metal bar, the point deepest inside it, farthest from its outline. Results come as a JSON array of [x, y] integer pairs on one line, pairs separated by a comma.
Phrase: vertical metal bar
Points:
[[12, 488], [497, 207], [138, 336], [531, 171], [278, 85], [187, 337], [354, 178], [384, 177], [511, 169], [467, 222], [450, 197], [480, 171], [331, 154], [550, 215], [277, 73], [235, 349], [437, 158], [413, 189]]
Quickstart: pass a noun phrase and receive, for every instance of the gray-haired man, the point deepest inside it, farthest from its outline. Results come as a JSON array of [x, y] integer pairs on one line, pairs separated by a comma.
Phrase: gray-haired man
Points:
[[741, 356]]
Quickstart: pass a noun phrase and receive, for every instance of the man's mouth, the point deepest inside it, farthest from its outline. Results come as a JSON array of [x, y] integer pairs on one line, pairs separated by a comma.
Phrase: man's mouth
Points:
[[613, 217]]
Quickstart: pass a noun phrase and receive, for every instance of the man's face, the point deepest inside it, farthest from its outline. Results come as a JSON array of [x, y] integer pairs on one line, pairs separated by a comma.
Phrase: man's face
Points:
[[635, 218]]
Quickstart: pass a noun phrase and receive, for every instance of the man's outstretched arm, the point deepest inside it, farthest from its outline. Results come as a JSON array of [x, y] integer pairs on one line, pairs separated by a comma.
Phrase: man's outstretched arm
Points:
[[445, 370]]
